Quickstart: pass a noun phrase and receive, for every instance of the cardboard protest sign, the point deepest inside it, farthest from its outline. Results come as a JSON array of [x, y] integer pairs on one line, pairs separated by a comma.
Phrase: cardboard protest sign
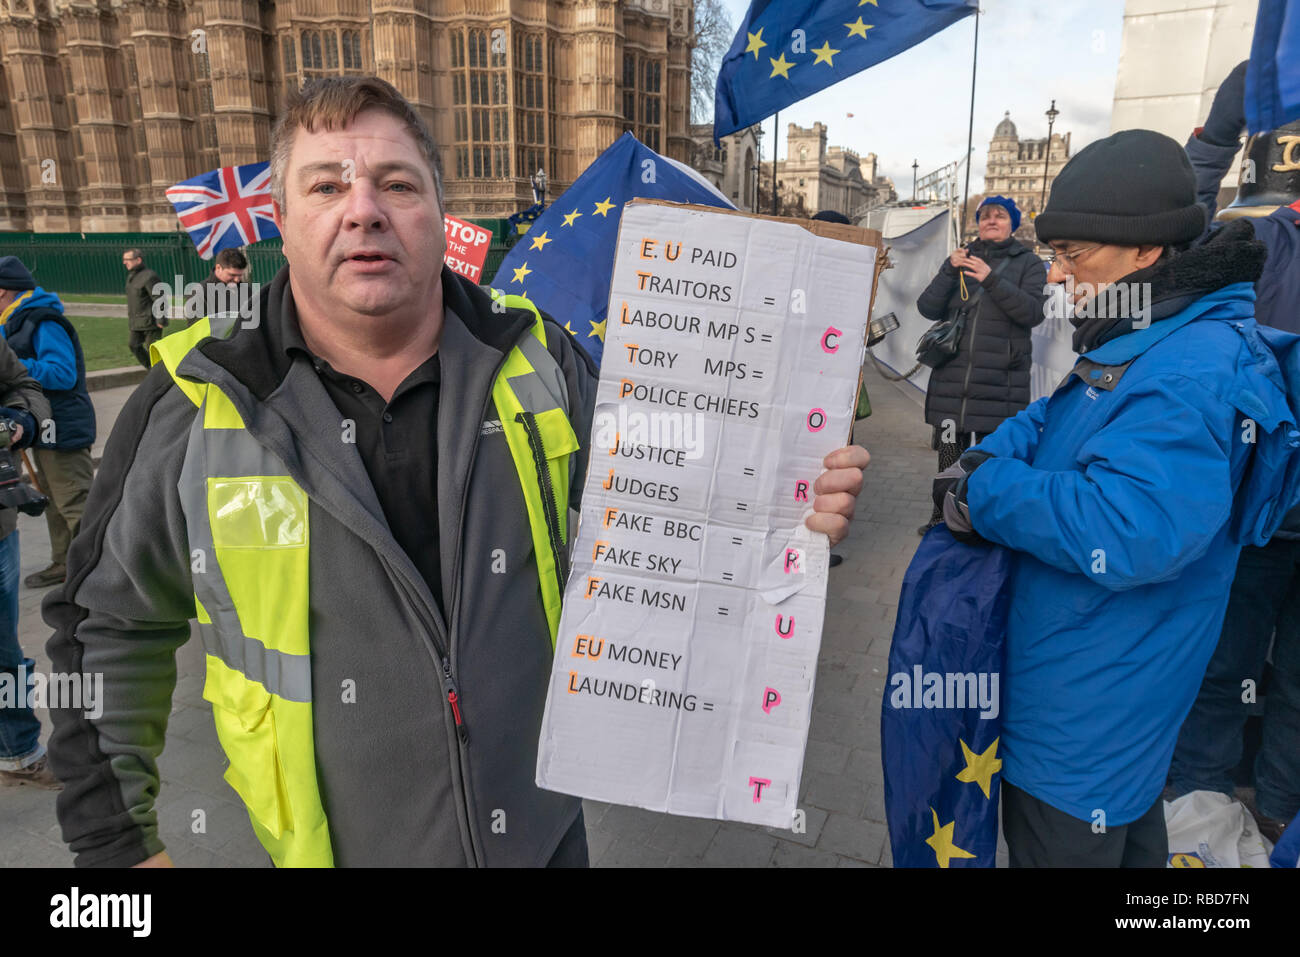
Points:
[[467, 248], [687, 648]]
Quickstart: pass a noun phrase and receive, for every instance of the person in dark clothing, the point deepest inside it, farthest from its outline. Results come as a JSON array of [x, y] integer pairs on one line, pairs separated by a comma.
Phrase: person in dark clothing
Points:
[[1264, 605], [224, 287], [47, 343], [25, 410], [146, 317], [988, 380]]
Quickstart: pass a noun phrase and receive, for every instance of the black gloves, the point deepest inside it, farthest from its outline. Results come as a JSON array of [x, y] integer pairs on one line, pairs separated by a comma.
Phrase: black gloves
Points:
[[949, 492], [1227, 119]]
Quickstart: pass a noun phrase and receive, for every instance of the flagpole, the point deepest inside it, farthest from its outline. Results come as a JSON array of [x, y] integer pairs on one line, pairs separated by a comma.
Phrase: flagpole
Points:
[[776, 131], [970, 132]]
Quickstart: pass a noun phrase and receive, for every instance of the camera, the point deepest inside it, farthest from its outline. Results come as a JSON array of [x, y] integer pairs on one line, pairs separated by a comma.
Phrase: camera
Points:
[[880, 328], [14, 491]]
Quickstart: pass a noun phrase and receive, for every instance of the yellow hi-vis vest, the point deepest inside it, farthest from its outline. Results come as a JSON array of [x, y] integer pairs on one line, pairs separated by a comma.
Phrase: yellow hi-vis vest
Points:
[[249, 536]]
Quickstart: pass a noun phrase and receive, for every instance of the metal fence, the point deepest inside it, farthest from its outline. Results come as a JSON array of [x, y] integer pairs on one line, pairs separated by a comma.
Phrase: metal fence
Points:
[[91, 263]]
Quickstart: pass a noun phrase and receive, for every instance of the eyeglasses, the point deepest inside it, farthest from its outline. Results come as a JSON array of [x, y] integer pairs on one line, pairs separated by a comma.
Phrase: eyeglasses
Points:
[[1068, 260]]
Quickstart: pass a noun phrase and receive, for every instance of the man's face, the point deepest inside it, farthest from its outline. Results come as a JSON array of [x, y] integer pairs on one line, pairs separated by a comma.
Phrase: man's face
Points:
[[129, 261], [229, 274], [1096, 265], [7, 296], [361, 225], [995, 224]]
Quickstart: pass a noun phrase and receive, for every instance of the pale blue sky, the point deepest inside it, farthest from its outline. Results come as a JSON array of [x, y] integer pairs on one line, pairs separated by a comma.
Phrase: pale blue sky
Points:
[[917, 105]]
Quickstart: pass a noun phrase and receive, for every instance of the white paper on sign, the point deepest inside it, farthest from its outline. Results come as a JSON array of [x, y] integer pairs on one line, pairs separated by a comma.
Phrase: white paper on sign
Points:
[[687, 647]]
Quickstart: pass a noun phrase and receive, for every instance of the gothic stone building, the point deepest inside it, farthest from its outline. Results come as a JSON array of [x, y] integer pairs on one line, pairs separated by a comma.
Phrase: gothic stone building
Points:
[[731, 167], [835, 178], [106, 103], [1016, 166]]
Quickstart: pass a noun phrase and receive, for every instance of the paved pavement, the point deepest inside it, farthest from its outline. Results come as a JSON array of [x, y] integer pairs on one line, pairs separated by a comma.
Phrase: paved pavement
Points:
[[203, 823]]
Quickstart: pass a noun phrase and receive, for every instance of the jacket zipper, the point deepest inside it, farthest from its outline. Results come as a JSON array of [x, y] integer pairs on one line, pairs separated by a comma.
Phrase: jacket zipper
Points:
[[549, 505], [454, 699]]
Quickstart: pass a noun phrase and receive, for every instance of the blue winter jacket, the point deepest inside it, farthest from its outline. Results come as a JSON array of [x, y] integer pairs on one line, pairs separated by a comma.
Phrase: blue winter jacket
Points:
[[1128, 494], [48, 345]]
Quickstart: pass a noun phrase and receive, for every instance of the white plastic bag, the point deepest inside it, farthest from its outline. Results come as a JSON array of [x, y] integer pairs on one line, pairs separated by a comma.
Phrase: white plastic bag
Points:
[[1209, 829]]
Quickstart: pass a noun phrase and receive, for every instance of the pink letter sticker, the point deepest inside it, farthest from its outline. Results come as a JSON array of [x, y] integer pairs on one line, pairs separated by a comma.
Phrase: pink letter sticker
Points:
[[771, 698], [816, 420], [831, 333], [758, 784], [788, 630]]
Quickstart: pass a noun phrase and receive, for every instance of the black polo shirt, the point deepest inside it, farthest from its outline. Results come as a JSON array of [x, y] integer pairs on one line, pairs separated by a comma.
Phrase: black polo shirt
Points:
[[397, 441]]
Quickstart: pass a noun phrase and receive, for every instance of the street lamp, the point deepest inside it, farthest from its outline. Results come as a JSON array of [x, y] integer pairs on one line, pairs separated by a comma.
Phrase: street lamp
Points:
[[1052, 114], [914, 166], [539, 181]]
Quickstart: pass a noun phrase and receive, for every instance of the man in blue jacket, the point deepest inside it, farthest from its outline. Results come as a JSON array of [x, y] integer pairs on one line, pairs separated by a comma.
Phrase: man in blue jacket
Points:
[[1127, 494], [47, 343], [1265, 602]]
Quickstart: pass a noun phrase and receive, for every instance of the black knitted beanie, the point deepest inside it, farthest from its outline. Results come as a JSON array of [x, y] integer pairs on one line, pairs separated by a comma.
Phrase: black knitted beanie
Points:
[[1134, 188]]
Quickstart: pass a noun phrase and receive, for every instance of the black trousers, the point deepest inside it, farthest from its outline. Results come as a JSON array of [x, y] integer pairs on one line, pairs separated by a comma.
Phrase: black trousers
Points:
[[140, 341], [1039, 835], [572, 851]]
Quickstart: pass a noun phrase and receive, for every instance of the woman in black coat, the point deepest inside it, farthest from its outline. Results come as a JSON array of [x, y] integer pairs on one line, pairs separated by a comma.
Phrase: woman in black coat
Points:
[[988, 380]]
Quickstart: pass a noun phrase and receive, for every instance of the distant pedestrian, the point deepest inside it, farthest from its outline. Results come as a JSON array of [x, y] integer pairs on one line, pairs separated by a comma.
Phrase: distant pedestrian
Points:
[[223, 288], [146, 317], [47, 343], [1001, 286]]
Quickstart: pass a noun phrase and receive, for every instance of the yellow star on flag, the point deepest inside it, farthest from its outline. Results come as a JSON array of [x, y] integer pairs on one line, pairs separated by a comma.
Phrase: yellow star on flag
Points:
[[568, 220], [859, 29], [521, 272], [824, 54], [780, 67], [863, 3], [941, 840], [755, 42], [568, 328], [539, 242], [605, 207], [598, 329], [980, 768]]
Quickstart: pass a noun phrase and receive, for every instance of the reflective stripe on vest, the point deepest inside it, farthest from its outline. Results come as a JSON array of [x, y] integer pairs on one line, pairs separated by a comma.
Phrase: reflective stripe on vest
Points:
[[247, 521]]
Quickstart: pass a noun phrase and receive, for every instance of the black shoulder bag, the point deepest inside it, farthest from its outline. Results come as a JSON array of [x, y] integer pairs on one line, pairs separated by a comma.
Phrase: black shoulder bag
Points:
[[942, 341]]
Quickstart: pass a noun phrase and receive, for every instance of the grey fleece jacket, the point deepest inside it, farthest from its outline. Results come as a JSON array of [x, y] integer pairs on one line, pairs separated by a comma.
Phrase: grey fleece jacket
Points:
[[399, 786]]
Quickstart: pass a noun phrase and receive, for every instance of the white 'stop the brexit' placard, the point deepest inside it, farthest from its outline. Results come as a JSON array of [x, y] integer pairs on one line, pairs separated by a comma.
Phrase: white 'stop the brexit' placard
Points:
[[687, 648]]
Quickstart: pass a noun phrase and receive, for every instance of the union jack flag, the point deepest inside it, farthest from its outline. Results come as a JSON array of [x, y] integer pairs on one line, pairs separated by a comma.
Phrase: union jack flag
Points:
[[226, 207]]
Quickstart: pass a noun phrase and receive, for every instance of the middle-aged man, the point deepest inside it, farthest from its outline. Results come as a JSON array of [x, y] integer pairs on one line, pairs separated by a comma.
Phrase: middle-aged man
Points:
[[223, 286], [339, 483], [1127, 495], [1265, 604], [146, 317], [48, 345]]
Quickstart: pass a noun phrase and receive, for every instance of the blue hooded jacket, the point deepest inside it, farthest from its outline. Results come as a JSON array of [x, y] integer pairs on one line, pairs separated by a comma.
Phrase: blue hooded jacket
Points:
[[1127, 496], [48, 345]]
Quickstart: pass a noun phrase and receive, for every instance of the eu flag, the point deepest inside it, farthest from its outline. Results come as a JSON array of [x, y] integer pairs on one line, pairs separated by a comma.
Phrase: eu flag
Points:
[[940, 720], [565, 261], [1273, 78], [789, 49]]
